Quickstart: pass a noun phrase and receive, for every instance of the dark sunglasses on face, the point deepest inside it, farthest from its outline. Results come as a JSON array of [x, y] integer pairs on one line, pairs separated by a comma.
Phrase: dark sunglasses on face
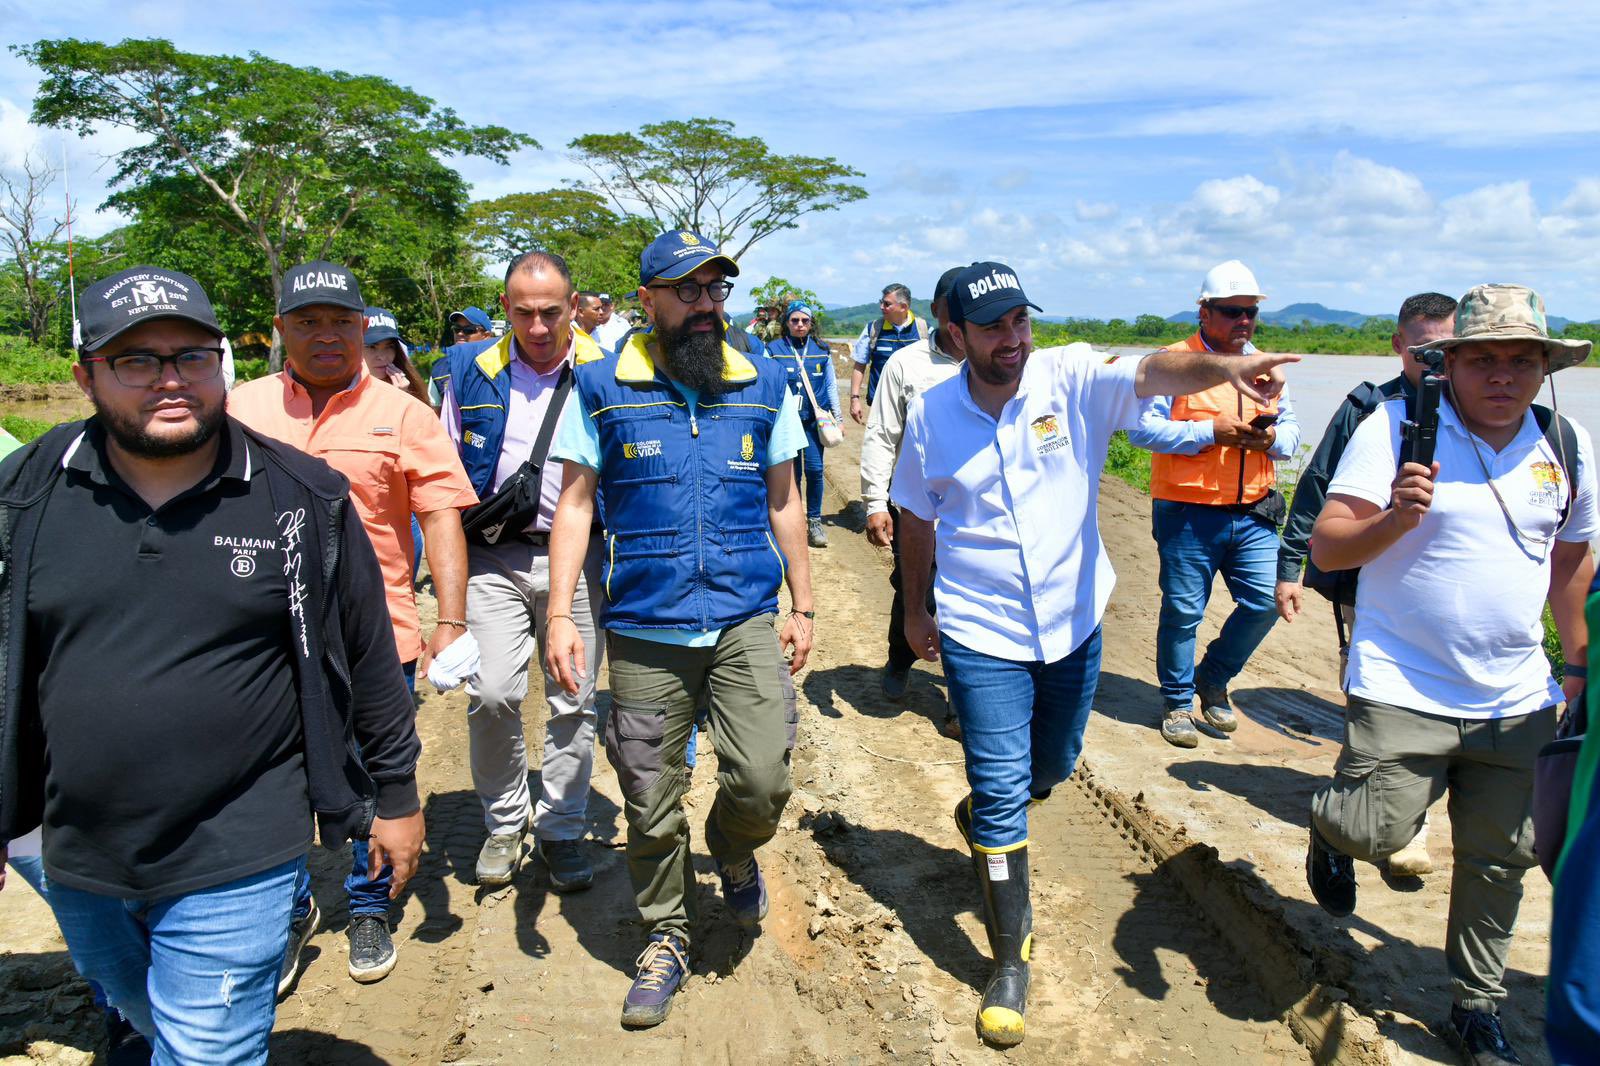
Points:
[[689, 291], [140, 370], [1229, 311], [799, 320]]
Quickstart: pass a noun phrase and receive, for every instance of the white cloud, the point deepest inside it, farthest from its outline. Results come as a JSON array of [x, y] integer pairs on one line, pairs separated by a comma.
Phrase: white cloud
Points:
[[1090, 211]]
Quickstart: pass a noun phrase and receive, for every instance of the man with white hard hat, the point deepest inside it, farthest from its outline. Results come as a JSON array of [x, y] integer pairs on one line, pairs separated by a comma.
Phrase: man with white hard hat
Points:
[[1214, 508]]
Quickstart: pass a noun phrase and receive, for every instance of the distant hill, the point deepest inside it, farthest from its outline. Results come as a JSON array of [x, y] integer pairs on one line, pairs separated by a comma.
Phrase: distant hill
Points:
[[850, 319]]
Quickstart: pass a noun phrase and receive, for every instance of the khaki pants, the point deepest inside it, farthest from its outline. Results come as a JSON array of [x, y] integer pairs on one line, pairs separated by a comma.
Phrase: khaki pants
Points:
[[1394, 765], [654, 690], [508, 591]]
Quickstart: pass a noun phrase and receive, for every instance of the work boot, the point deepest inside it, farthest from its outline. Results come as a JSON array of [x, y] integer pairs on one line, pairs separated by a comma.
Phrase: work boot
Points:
[[1413, 860], [300, 931], [1331, 875], [744, 891], [499, 859], [815, 535], [1215, 707], [1478, 1038], [963, 815], [1177, 728], [662, 968], [564, 860], [952, 726], [372, 953], [1008, 918], [894, 682]]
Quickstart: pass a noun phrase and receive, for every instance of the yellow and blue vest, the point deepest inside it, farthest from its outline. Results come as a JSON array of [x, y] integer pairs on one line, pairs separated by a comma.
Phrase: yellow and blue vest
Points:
[[481, 383], [882, 342], [688, 539], [818, 362]]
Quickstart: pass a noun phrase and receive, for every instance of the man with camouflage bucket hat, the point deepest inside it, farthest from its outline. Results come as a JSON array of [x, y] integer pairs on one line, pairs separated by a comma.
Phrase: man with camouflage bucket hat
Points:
[[1448, 689]]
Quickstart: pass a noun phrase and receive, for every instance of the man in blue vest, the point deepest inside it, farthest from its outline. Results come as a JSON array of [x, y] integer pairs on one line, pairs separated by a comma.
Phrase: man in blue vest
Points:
[[691, 445], [880, 340], [496, 406]]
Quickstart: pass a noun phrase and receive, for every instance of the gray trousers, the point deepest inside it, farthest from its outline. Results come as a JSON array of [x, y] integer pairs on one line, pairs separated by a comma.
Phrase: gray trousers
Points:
[[1394, 765], [508, 592]]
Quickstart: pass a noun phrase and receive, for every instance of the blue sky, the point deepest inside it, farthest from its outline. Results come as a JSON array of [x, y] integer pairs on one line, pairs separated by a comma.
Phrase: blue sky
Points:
[[1109, 152]]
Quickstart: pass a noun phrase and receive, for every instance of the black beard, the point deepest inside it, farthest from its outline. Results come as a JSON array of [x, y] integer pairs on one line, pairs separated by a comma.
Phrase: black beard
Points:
[[132, 437], [694, 359]]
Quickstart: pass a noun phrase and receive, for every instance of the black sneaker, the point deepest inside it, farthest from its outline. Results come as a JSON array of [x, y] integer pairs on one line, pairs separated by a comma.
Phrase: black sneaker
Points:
[[568, 868], [300, 931], [372, 952], [1331, 875], [1478, 1038], [125, 1045], [894, 682]]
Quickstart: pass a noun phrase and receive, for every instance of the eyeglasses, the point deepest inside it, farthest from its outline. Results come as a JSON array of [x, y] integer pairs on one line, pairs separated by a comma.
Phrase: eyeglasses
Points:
[[689, 291], [140, 370], [1229, 311]]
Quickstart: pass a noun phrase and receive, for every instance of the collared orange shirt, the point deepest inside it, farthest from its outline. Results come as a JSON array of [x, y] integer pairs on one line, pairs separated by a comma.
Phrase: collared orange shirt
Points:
[[394, 451]]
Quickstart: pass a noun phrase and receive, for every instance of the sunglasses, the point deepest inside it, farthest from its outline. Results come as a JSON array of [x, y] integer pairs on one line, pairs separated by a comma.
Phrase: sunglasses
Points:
[[799, 320], [1229, 311]]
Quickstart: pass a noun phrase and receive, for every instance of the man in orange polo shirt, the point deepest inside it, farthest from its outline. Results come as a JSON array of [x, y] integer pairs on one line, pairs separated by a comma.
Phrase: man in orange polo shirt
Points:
[[1215, 508], [399, 462]]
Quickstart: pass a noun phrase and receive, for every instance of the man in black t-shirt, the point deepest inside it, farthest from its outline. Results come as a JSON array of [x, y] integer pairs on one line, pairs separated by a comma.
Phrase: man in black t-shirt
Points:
[[203, 647]]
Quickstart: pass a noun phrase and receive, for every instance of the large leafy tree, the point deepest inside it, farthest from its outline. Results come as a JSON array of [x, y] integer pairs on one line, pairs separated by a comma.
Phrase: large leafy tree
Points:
[[699, 174], [601, 247], [285, 157]]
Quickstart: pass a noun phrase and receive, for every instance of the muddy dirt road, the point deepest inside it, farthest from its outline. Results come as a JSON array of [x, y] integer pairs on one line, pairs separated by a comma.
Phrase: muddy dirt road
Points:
[[1172, 923]]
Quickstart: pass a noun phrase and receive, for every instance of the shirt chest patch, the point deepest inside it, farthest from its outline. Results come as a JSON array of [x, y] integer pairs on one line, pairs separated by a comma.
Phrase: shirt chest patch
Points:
[[1048, 435], [1547, 485]]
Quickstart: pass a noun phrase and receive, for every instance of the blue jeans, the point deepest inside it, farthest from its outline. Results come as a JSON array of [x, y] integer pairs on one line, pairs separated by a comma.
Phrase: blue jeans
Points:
[[31, 868], [367, 895], [416, 547], [1195, 542], [1021, 729], [809, 470], [197, 973]]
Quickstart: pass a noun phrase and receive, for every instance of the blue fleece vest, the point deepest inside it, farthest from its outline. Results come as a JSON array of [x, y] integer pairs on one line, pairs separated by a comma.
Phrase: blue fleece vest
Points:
[[884, 342], [818, 365], [480, 380], [688, 539]]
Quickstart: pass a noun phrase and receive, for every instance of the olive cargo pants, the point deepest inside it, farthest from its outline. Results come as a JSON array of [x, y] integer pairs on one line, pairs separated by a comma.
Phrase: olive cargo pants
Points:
[[655, 688], [1394, 765]]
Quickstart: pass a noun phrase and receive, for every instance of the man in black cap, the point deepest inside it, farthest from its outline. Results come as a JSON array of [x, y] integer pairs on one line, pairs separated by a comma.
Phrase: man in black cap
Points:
[[1005, 457], [401, 464], [197, 658], [910, 372]]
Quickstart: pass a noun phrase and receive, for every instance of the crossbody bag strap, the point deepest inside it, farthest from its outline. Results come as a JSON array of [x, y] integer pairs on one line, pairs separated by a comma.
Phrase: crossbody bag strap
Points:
[[805, 379], [552, 415]]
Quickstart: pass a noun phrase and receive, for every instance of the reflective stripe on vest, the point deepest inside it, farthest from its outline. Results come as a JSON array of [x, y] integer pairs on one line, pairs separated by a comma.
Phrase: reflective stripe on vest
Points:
[[689, 542], [885, 342], [1218, 475]]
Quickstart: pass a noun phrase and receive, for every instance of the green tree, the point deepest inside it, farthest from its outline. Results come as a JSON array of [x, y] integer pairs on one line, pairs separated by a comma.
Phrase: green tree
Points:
[[782, 291], [29, 233], [600, 247], [700, 175], [1150, 326], [286, 156]]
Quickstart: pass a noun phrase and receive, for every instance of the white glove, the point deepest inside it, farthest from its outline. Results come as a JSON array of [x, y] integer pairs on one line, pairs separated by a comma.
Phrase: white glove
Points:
[[458, 662]]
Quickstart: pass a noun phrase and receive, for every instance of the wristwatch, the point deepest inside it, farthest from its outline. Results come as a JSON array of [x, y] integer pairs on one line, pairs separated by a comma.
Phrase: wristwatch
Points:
[[805, 614]]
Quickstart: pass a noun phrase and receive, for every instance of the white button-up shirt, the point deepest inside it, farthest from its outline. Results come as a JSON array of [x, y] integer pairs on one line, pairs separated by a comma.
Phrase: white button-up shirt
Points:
[[1022, 572]]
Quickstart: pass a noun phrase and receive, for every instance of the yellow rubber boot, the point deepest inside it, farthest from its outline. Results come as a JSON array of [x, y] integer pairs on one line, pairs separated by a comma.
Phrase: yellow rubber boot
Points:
[[1008, 917]]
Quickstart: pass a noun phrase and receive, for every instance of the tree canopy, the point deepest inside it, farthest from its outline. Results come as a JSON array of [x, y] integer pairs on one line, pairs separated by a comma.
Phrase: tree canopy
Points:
[[601, 248], [700, 175]]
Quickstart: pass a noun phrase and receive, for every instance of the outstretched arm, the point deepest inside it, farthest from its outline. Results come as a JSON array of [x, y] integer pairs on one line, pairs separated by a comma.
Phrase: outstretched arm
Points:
[[1181, 373]]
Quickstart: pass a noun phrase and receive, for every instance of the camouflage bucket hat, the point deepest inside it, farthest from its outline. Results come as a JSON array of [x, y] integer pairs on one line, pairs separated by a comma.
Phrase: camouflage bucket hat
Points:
[[1512, 313]]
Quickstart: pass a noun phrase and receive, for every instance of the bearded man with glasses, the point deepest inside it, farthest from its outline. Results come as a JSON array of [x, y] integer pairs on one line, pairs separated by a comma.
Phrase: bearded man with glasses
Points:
[[691, 446], [1214, 508], [197, 657]]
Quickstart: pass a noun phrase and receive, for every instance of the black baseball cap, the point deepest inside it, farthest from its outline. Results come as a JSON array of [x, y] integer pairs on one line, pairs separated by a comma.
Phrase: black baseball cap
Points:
[[320, 282], [983, 292], [381, 327], [140, 294]]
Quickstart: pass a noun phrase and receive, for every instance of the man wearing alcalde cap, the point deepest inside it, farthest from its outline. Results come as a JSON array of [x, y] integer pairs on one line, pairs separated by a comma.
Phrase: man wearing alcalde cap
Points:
[[998, 478], [197, 658], [691, 446], [400, 463], [1448, 689]]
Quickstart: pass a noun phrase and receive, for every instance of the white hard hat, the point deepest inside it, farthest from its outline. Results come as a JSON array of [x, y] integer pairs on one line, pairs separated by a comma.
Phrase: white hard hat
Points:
[[1232, 278]]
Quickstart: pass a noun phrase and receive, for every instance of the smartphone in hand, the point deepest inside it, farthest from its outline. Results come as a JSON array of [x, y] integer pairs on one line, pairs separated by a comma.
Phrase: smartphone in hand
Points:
[[1262, 421]]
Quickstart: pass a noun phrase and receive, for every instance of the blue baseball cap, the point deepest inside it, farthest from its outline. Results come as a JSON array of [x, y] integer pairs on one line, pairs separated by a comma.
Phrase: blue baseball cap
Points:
[[381, 327], [476, 315], [983, 292], [678, 253]]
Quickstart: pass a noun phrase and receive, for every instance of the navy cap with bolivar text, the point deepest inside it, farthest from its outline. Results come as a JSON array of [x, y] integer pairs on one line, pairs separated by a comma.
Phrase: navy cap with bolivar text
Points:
[[380, 326], [140, 294], [320, 282], [983, 292], [678, 253]]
